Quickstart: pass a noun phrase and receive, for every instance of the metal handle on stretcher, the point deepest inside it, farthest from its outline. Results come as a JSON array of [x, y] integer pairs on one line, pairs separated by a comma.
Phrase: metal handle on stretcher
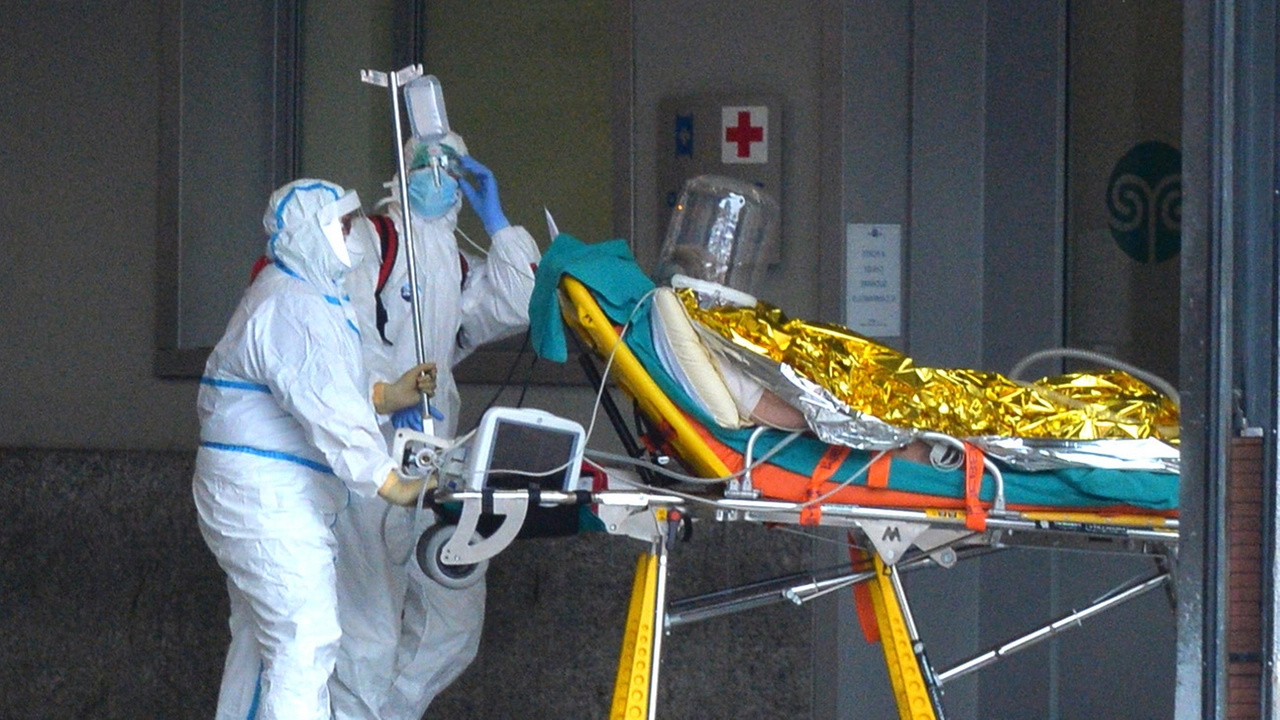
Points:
[[466, 547], [1052, 629]]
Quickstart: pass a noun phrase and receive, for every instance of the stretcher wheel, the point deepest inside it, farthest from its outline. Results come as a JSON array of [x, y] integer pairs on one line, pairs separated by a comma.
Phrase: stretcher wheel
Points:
[[454, 577]]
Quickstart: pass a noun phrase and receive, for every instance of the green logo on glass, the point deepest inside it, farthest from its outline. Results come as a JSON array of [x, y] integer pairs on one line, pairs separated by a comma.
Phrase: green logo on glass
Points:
[[1144, 202]]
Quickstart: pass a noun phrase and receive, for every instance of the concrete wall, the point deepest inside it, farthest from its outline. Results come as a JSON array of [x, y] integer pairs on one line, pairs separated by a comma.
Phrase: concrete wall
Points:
[[79, 229], [112, 607], [110, 604]]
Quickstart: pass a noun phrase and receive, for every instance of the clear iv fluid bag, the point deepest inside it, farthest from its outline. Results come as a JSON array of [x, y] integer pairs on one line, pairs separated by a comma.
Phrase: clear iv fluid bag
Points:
[[424, 101]]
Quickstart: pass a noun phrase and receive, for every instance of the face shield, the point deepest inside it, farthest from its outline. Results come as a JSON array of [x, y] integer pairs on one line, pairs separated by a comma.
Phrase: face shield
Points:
[[362, 239], [722, 230], [334, 220]]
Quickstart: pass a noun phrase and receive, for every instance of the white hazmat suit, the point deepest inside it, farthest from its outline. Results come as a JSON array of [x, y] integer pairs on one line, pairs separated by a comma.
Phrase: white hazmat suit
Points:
[[288, 437], [406, 637]]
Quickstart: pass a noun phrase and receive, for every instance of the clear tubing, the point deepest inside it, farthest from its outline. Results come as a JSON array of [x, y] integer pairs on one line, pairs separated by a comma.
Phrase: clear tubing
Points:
[[1150, 378]]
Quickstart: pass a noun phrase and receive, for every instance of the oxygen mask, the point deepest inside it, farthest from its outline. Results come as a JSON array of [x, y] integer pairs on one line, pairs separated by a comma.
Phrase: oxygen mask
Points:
[[441, 159]]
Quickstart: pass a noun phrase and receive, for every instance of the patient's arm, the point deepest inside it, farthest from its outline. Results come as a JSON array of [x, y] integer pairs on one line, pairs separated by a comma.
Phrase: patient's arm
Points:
[[755, 402], [765, 407], [775, 412], [917, 451], [762, 406]]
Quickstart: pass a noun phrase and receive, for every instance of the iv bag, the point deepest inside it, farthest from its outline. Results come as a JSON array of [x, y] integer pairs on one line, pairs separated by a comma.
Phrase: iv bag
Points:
[[424, 101]]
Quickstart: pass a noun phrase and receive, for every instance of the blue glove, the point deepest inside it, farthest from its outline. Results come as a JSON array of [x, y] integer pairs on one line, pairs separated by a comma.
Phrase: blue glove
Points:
[[407, 418], [484, 198], [411, 417]]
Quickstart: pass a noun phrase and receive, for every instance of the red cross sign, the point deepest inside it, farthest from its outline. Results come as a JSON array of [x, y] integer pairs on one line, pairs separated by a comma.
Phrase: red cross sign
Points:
[[744, 134]]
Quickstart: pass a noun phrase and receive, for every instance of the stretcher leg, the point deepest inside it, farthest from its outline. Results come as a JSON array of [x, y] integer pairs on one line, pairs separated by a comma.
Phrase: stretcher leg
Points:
[[905, 674], [636, 689], [659, 616]]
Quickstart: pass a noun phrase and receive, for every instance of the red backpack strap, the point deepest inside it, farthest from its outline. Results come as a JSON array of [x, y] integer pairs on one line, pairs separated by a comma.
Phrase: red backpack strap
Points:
[[390, 247], [258, 264]]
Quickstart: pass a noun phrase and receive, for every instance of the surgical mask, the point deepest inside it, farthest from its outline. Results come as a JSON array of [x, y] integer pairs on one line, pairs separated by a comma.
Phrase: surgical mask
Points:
[[428, 200]]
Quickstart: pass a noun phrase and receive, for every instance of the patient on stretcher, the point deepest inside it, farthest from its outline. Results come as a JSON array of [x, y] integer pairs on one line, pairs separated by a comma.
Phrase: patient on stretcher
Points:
[[1105, 441], [598, 291], [720, 387], [744, 363]]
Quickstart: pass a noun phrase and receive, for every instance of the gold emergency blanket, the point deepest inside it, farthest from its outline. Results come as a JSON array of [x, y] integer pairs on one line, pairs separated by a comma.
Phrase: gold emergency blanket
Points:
[[880, 381]]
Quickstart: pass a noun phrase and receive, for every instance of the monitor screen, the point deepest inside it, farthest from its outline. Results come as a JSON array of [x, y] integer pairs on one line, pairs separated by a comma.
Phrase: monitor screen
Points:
[[538, 454]]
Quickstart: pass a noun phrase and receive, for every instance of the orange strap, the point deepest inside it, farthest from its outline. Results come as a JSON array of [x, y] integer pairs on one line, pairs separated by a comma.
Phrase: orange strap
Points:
[[831, 459], [878, 473], [975, 518]]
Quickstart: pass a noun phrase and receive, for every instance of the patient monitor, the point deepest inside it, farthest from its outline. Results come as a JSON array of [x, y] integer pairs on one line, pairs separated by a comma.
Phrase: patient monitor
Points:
[[511, 448], [497, 471], [514, 448]]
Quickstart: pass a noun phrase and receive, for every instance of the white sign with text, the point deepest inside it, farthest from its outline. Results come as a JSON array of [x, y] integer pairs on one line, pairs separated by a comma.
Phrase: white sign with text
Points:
[[873, 279]]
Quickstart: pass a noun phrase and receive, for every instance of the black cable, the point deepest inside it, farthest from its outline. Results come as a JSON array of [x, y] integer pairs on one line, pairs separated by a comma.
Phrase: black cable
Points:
[[528, 377], [511, 373]]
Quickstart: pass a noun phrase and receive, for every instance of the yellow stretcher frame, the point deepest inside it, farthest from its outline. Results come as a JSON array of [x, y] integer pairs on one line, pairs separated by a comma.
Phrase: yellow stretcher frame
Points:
[[633, 698], [581, 311], [915, 684]]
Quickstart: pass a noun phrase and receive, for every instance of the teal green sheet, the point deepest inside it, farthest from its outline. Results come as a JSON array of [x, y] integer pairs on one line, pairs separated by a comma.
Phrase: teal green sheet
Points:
[[608, 268], [613, 275]]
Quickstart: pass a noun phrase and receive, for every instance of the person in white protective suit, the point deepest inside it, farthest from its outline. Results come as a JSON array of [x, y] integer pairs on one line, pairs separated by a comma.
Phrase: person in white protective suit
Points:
[[406, 637], [289, 437]]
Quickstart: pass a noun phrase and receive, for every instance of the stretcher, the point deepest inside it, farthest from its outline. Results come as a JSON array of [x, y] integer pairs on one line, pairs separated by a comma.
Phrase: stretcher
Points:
[[898, 515], [892, 526]]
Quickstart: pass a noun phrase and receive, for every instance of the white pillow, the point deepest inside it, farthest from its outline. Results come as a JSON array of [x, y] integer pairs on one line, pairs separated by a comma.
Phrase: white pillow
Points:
[[688, 360]]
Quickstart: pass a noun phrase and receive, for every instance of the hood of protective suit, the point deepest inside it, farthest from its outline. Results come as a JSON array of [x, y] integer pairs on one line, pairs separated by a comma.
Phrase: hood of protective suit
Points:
[[295, 218]]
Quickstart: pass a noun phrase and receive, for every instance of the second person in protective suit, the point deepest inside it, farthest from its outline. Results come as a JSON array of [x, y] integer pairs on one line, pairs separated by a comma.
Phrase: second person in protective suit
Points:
[[288, 437], [406, 637]]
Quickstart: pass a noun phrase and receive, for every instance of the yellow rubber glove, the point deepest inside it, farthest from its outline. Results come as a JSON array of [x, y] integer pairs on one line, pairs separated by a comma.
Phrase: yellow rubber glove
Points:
[[398, 491], [405, 392]]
